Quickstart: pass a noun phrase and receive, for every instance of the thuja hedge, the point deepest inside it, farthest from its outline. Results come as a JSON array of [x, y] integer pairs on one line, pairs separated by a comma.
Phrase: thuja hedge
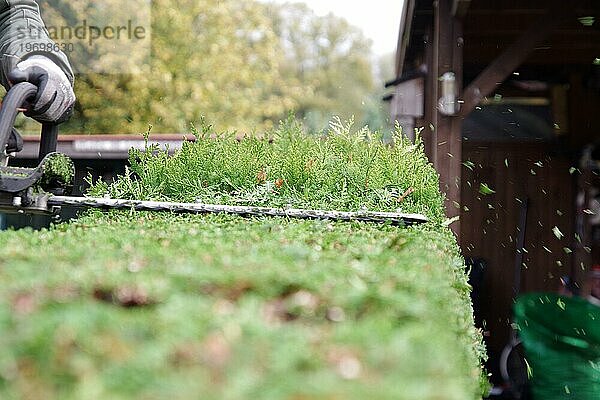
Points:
[[127, 305]]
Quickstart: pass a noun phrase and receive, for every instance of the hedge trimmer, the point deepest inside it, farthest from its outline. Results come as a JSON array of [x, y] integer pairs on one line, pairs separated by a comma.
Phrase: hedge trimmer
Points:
[[44, 189], [28, 189]]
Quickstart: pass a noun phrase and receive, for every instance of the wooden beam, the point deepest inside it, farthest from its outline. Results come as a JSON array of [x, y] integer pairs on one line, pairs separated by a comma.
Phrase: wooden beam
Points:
[[408, 8], [453, 149], [553, 57], [430, 112], [446, 150], [508, 61]]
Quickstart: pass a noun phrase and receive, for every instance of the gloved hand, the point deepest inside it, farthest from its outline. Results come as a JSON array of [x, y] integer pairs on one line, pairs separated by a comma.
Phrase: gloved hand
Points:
[[55, 97]]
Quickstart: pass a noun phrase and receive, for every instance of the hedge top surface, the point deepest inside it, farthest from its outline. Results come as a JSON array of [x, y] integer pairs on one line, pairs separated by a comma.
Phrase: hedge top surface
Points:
[[152, 305], [155, 306], [340, 169]]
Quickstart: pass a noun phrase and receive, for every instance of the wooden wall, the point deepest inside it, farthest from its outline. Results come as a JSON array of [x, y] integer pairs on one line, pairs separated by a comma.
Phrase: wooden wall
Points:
[[585, 102], [489, 230]]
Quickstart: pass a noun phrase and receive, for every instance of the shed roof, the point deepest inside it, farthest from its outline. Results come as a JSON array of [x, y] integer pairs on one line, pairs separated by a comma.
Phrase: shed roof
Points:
[[492, 25]]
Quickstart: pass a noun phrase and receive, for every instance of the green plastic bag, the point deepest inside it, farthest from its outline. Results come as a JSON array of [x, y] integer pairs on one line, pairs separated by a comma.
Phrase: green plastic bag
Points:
[[561, 337]]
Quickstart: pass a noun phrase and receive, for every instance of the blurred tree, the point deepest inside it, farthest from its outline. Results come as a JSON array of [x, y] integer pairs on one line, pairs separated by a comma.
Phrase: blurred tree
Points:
[[218, 58], [243, 65], [332, 58]]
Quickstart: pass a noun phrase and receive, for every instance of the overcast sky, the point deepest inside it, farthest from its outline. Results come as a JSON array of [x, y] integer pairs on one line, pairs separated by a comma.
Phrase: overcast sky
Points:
[[379, 19]]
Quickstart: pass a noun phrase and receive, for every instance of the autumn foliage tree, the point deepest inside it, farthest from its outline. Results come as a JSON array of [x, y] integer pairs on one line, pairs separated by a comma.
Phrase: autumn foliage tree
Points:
[[242, 64]]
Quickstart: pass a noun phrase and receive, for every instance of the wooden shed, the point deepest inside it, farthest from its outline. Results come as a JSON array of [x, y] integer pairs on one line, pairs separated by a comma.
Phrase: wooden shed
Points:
[[505, 95]]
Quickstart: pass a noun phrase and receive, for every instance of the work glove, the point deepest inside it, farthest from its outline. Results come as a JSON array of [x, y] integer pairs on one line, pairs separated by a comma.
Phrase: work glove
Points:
[[55, 97]]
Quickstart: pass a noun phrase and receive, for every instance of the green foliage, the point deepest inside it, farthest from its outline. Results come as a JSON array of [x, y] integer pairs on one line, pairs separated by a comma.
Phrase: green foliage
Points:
[[210, 57], [485, 189], [342, 169], [243, 63], [59, 171], [132, 305], [152, 306]]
